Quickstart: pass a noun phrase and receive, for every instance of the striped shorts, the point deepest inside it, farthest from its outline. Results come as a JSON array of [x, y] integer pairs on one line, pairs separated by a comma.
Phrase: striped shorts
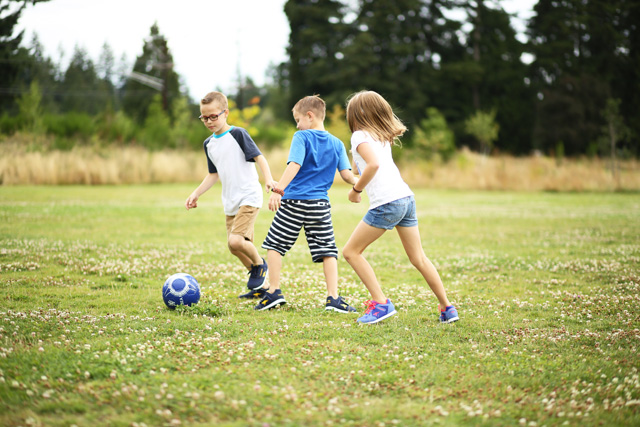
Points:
[[314, 216]]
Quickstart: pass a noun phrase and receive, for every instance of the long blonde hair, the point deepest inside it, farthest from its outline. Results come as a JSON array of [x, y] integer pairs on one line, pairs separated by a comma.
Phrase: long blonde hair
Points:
[[369, 111]]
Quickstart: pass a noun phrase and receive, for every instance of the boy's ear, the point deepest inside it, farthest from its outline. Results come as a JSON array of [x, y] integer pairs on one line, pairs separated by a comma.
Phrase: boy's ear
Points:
[[310, 115]]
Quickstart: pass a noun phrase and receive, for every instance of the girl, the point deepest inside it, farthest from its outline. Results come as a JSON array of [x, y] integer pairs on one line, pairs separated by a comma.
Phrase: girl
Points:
[[391, 204]]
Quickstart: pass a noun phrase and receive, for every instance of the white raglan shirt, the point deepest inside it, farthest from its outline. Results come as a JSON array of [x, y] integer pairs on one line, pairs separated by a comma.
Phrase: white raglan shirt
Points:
[[387, 184], [230, 155]]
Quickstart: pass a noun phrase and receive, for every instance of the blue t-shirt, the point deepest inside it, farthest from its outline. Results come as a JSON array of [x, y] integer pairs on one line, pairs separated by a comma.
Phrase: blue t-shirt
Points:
[[319, 154]]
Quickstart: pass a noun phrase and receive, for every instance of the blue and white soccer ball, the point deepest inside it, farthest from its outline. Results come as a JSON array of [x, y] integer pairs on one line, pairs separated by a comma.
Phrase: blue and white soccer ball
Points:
[[180, 289]]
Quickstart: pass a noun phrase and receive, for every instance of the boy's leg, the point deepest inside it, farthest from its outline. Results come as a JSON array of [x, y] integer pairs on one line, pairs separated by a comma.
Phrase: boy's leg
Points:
[[330, 266], [410, 237], [244, 250], [282, 234], [360, 239], [318, 230], [240, 236], [274, 259]]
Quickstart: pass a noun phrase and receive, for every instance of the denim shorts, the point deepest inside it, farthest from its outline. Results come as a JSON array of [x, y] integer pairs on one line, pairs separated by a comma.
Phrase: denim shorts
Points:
[[401, 213]]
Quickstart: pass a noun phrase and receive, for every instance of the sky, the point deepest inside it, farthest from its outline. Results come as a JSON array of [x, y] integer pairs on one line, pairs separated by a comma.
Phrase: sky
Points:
[[210, 40]]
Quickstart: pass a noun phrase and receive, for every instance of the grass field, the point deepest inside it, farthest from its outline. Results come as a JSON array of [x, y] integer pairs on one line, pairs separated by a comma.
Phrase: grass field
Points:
[[547, 286]]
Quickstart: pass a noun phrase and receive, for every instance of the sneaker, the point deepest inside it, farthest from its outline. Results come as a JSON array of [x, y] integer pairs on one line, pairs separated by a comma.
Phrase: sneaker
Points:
[[253, 294], [339, 305], [449, 315], [377, 311], [257, 274], [270, 301]]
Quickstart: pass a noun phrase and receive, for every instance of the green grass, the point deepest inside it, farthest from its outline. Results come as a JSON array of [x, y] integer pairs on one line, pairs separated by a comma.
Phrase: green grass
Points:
[[547, 285]]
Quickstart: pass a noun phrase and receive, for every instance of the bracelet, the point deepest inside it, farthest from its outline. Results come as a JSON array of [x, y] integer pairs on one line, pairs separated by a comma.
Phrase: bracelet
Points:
[[354, 189], [278, 191]]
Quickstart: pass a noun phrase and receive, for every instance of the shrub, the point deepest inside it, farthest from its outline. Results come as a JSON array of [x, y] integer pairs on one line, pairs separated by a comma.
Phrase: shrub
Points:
[[70, 125]]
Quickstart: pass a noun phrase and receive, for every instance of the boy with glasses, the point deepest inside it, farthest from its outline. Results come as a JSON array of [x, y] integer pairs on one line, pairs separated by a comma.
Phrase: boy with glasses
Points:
[[231, 158], [301, 200]]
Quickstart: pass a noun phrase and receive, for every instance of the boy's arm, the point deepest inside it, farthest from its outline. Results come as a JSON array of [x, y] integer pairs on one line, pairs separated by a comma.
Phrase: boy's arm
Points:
[[347, 176], [207, 183], [367, 174], [289, 173], [269, 183]]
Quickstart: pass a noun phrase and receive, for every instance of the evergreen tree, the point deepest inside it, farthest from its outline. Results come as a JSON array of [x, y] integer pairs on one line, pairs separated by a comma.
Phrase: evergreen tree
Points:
[[155, 64], [490, 75], [105, 69], [36, 67], [317, 32], [582, 48], [12, 58], [79, 88], [397, 50]]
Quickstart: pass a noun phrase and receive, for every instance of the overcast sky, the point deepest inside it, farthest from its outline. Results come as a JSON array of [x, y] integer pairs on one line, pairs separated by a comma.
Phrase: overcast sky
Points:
[[209, 39]]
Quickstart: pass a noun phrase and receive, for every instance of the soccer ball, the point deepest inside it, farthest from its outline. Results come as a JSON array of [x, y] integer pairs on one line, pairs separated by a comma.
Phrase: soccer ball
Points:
[[180, 289]]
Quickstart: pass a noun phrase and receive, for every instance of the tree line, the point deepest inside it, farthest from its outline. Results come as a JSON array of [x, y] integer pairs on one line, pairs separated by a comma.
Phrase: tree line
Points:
[[456, 71]]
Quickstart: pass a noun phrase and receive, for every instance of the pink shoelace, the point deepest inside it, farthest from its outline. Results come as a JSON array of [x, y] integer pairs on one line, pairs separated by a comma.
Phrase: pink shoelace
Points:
[[370, 306]]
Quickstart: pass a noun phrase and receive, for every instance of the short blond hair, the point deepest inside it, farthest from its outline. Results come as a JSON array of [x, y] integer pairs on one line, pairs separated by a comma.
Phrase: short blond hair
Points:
[[311, 103], [218, 97], [369, 111]]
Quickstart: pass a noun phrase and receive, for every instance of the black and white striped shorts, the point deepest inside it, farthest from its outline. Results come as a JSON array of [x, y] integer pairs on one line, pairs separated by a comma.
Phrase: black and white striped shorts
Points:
[[314, 216]]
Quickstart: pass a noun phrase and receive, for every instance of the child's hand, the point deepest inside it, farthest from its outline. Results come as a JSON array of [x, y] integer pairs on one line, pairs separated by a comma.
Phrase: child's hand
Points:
[[274, 201], [354, 196], [270, 185], [192, 202]]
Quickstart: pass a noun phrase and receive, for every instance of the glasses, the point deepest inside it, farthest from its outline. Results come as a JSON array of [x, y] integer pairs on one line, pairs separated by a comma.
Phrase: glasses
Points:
[[212, 117]]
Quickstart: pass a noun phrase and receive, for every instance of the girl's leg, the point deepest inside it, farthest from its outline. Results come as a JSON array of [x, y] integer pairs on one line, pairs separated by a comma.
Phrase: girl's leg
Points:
[[410, 237], [360, 239]]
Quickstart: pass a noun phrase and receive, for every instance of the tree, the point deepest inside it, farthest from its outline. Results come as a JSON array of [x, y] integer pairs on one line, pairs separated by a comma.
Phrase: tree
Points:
[[396, 49], [10, 63], [30, 108], [490, 75], [79, 88], [582, 49], [614, 130], [483, 128], [434, 137], [156, 63], [315, 41]]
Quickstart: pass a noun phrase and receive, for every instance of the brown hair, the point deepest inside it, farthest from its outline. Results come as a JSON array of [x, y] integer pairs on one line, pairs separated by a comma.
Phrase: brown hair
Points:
[[311, 103], [369, 111], [218, 97]]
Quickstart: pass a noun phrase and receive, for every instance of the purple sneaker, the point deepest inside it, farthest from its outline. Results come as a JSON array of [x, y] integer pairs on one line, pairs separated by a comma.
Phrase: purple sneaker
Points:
[[449, 315]]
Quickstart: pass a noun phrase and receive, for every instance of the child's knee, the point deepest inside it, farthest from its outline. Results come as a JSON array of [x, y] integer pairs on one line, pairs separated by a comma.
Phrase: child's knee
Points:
[[348, 253], [235, 242]]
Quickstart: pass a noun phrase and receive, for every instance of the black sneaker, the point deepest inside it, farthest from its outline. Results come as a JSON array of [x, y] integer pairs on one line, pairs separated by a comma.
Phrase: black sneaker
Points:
[[339, 305], [270, 301], [253, 294], [257, 274]]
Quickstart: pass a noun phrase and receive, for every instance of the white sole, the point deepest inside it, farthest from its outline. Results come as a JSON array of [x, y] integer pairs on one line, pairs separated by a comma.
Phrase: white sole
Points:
[[273, 304], [455, 319], [259, 287], [380, 319], [338, 311]]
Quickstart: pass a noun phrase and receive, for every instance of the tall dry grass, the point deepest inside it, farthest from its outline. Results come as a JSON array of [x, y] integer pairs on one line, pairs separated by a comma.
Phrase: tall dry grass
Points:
[[473, 171], [20, 165]]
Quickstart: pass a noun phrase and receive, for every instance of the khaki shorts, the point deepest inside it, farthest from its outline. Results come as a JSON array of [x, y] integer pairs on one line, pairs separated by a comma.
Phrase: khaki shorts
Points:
[[242, 223]]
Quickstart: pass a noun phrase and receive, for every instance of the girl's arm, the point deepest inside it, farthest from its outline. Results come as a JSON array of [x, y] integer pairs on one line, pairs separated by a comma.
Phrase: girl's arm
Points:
[[367, 174], [207, 183], [269, 183], [289, 173]]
